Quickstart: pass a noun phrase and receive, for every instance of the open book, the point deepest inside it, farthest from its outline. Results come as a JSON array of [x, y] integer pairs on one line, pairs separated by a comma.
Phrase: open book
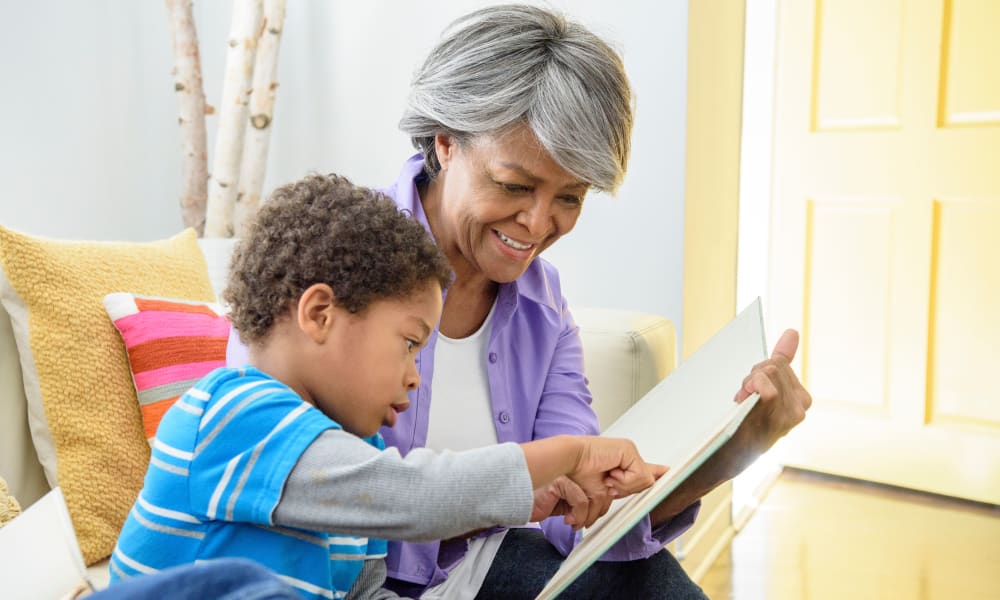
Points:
[[679, 423], [39, 555]]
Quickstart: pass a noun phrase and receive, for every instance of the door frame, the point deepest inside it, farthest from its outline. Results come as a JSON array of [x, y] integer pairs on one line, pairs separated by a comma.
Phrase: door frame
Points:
[[711, 211]]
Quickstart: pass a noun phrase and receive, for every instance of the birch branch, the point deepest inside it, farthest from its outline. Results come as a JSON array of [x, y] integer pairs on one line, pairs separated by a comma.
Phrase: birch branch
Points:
[[191, 114], [232, 118], [261, 115]]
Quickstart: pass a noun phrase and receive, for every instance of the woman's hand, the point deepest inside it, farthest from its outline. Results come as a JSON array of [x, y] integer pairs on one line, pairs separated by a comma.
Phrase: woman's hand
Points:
[[782, 405], [562, 497], [783, 400]]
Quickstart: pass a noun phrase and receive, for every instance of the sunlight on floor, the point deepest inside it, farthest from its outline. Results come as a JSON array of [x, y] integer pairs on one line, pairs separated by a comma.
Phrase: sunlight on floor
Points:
[[815, 537]]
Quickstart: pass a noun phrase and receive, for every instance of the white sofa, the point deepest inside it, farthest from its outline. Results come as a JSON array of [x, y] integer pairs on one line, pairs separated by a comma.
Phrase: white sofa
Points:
[[626, 353]]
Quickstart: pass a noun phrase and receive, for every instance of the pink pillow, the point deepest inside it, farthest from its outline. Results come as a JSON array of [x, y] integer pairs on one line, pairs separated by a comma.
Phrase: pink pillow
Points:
[[171, 344]]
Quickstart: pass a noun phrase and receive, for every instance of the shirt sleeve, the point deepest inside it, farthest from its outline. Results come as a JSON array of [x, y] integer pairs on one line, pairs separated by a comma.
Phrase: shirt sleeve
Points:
[[248, 441], [341, 484], [565, 408]]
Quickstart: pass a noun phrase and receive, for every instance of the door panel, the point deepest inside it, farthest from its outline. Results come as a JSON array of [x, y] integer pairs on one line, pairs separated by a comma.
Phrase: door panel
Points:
[[970, 88], [856, 82], [847, 280], [884, 249], [965, 317]]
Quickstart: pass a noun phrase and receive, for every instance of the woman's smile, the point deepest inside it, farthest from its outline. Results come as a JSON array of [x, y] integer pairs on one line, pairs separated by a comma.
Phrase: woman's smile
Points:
[[512, 242]]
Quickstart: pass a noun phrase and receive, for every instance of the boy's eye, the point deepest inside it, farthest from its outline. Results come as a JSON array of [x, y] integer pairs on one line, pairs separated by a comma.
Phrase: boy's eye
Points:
[[410, 345]]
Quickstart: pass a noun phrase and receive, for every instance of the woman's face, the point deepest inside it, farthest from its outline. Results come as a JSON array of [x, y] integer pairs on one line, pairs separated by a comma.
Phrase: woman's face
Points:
[[502, 201]]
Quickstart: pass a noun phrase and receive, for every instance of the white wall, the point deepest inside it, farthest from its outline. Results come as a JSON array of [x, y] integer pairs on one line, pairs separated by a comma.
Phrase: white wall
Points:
[[89, 145]]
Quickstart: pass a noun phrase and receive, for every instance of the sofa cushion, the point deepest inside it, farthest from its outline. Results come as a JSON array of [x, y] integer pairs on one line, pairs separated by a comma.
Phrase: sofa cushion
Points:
[[82, 406], [171, 344], [626, 353]]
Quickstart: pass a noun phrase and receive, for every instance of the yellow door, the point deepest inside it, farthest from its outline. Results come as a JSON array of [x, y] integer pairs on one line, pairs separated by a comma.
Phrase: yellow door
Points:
[[885, 234]]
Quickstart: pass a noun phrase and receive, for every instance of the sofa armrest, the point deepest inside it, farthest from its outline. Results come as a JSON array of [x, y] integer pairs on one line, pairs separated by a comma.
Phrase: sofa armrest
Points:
[[18, 460], [625, 354]]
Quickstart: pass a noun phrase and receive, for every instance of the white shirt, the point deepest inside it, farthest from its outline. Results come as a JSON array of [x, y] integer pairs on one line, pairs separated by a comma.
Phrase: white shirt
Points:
[[461, 418], [461, 413]]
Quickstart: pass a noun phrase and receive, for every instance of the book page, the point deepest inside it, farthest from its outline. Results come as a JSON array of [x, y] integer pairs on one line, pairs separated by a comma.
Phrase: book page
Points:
[[39, 555], [679, 423]]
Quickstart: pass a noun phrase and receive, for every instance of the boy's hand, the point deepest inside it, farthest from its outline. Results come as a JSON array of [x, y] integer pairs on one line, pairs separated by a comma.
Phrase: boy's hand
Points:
[[613, 466], [579, 476]]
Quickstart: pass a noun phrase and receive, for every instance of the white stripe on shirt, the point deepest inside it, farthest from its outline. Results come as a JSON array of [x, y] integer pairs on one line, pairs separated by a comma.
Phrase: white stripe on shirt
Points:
[[348, 541], [194, 410], [229, 417], [197, 535], [171, 451], [313, 589], [166, 512], [295, 533], [289, 418], [227, 399], [213, 506], [138, 566], [199, 394], [167, 467]]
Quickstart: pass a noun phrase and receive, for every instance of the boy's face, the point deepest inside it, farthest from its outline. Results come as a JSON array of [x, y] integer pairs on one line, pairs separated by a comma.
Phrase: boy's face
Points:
[[368, 363]]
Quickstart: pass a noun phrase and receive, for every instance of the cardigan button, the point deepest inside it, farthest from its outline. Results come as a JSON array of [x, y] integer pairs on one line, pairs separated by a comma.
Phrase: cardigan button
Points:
[[493, 357], [504, 417]]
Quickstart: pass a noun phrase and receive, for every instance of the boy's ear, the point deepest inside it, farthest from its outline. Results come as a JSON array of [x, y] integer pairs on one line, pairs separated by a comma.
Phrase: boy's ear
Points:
[[316, 311]]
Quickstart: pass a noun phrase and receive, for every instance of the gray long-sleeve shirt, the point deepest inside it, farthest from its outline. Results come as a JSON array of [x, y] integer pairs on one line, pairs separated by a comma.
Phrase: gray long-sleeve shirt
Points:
[[342, 484]]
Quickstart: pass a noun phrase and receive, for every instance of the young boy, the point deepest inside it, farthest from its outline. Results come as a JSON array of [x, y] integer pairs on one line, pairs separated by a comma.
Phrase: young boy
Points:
[[334, 291]]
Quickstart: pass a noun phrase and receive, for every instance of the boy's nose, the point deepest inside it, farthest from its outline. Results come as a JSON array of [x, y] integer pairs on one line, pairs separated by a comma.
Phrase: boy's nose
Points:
[[412, 380]]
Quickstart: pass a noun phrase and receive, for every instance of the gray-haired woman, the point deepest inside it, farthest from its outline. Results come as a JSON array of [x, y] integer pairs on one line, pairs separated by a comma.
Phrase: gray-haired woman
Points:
[[516, 114]]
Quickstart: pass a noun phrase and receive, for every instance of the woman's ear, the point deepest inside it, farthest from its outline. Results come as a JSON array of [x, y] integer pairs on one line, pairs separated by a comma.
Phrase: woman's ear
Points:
[[445, 147], [316, 311]]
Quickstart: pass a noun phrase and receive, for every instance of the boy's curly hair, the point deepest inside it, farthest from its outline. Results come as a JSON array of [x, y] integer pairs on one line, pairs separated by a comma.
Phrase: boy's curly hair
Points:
[[324, 229]]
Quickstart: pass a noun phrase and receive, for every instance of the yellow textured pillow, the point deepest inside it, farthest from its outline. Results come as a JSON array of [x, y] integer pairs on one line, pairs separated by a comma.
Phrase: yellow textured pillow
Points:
[[82, 406]]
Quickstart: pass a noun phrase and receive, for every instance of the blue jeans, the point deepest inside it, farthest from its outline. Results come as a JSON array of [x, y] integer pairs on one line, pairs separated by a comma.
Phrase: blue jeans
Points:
[[221, 579], [527, 560]]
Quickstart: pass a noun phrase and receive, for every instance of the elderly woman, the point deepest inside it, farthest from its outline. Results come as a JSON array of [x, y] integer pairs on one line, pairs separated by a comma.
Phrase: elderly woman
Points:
[[516, 114]]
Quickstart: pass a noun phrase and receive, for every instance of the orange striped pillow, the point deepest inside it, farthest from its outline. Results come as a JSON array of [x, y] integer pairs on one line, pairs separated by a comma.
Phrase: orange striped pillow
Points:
[[171, 344]]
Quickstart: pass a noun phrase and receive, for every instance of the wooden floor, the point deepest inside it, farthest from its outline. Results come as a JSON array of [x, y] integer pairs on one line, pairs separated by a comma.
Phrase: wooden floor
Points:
[[815, 538]]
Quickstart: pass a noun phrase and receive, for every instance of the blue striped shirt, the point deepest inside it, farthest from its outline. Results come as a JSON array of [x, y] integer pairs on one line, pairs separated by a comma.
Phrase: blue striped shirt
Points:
[[218, 466]]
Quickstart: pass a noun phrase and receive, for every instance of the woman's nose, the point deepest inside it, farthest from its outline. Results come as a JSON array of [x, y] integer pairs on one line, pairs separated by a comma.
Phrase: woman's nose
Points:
[[536, 217]]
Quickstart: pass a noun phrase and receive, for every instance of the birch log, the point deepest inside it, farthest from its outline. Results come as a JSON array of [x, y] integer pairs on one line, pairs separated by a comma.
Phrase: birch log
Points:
[[261, 115], [191, 114], [232, 118]]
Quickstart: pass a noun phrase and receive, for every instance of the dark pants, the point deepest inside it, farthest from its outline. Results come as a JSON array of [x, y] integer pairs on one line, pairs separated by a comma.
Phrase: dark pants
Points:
[[221, 579], [526, 561]]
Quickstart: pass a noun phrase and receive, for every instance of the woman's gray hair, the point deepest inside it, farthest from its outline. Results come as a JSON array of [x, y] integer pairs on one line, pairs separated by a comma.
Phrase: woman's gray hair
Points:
[[502, 66]]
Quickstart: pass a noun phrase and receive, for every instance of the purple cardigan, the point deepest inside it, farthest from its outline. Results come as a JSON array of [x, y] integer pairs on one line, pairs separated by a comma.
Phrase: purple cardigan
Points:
[[537, 389]]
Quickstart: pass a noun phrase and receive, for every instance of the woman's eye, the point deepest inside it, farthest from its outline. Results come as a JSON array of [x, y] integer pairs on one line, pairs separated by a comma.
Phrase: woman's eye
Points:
[[572, 200], [514, 188]]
